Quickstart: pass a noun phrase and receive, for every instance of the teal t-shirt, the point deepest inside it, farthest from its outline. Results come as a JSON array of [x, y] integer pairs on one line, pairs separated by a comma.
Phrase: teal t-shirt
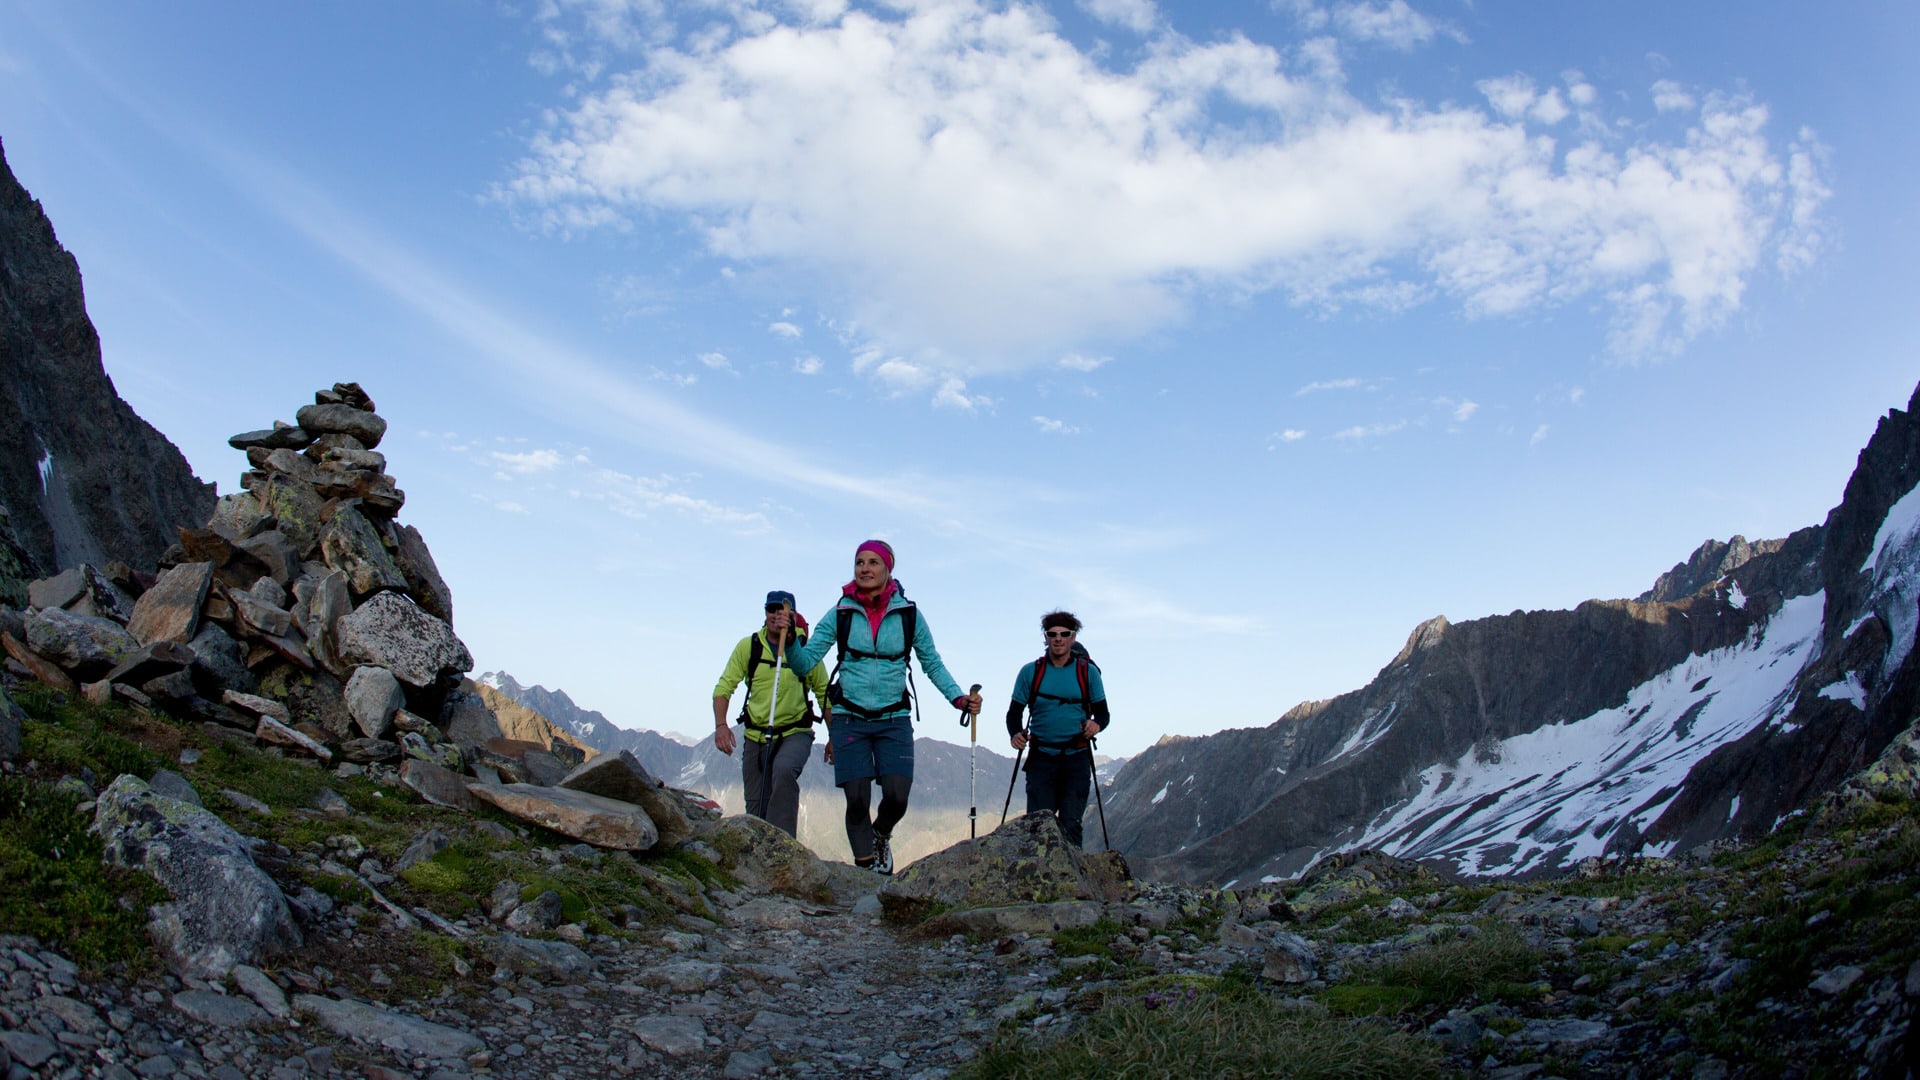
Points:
[[1058, 713]]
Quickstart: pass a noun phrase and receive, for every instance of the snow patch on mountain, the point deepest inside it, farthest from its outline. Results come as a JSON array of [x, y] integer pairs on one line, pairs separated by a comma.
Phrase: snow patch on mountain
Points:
[[1560, 793], [1896, 588]]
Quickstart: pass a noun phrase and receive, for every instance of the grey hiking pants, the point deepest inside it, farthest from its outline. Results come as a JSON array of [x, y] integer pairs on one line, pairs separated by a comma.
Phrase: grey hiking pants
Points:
[[788, 760]]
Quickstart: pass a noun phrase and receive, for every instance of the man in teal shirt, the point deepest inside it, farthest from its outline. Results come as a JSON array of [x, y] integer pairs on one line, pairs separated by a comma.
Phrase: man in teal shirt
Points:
[[779, 723], [1069, 704]]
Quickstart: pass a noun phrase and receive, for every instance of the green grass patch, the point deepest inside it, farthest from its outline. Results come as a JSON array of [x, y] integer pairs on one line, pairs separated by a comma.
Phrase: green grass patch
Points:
[[54, 886], [1497, 962], [1228, 1031], [67, 736], [1095, 940]]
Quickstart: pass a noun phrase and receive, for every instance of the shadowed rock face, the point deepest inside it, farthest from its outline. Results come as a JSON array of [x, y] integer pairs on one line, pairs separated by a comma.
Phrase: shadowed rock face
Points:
[[82, 478], [1823, 619]]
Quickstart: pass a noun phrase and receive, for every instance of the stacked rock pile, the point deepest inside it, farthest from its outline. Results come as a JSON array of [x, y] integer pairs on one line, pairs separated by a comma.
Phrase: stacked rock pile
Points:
[[305, 614], [303, 611]]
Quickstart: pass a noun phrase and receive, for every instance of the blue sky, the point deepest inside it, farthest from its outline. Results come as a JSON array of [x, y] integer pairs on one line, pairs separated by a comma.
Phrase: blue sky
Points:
[[1255, 334]]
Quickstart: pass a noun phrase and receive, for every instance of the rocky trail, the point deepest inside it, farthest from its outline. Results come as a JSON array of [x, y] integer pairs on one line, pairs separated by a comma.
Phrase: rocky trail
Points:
[[784, 989]]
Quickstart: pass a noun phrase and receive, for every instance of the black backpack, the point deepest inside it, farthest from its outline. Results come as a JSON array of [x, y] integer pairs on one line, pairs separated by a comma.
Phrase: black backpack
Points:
[[1082, 663], [842, 626], [756, 656]]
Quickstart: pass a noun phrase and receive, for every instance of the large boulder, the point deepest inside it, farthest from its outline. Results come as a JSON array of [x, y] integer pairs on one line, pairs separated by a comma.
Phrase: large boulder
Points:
[[367, 427], [170, 611], [621, 776], [1026, 861], [373, 695], [467, 720], [424, 582], [225, 909], [350, 544], [86, 645], [390, 631], [764, 856], [601, 822], [314, 698]]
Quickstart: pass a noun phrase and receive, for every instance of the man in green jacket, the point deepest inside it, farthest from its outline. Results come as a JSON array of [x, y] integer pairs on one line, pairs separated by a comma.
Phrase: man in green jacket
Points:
[[779, 722]]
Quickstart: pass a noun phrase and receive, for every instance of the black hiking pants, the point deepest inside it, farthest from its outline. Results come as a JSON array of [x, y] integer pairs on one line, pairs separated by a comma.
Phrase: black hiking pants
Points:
[[1061, 783]]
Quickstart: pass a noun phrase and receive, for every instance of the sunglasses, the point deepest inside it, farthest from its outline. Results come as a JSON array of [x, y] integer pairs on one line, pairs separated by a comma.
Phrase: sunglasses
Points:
[[1059, 633]]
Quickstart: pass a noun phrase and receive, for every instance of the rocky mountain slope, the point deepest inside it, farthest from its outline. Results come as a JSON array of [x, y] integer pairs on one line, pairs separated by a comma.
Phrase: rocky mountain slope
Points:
[[1752, 678], [82, 478]]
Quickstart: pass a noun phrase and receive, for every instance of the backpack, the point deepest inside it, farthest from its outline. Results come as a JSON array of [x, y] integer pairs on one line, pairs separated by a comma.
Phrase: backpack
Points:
[[842, 626], [1082, 663], [756, 656]]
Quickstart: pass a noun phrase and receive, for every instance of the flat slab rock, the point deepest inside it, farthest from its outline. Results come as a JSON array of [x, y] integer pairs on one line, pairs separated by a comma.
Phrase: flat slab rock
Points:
[[592, 819], [393, 1030]]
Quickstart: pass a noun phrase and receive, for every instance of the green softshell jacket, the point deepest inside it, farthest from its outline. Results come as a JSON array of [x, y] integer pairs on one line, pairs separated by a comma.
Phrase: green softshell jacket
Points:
[[793, 711]]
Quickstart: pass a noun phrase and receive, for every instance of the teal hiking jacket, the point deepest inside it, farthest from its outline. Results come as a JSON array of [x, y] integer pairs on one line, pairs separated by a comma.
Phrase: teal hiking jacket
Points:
[[874, 683]]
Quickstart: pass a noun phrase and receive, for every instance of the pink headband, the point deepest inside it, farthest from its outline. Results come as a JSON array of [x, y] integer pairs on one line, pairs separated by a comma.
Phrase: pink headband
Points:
[[880, 548]]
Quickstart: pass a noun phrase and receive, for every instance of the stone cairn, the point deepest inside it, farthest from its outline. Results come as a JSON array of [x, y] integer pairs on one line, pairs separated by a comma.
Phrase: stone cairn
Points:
[[303, 612]]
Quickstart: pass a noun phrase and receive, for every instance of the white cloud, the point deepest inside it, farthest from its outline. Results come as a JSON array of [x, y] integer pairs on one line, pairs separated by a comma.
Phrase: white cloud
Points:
[[989, 195], [1291, 435], [537, 461], [639, 496], [1462, 410], [1670, 96], [784, 329], [1054, 427], [1393, 24], [1329, 384], [1139, 16], [510, 507], [680, 378], [952, 394], [1077, 362], [1362, 432], [807, 365], [716, 361], [1539, 435]]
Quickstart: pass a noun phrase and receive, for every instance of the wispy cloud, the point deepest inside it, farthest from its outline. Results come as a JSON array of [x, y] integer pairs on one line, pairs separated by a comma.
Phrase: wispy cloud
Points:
[[807, 365], [1363, 432], [1054, 427], [1539, 435], [1328, 384], [1077, 362], [1139, 16], [1461, 411], [783, 329], [1288, 435], [716, 361], [959, 158], [536, 461]]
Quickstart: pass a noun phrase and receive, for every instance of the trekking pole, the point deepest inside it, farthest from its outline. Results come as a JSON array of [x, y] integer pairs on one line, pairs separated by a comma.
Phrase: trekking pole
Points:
[[1105, 843], [971, 723], [1010, 780], [769, 746]]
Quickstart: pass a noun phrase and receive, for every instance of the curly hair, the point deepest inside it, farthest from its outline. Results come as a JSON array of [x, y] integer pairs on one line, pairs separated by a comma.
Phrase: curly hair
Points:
[[1066, 619]]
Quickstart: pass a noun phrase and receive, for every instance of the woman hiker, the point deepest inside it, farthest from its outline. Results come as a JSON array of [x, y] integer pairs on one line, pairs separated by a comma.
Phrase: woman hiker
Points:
[[776, 720], [873, 629]]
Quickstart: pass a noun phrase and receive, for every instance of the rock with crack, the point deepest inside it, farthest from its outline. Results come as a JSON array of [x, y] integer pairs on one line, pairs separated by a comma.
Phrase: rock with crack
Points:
[[621, 776], [170, 611], [390, 631], [397, 1031], [765, 857], [591, 819], [225, 909], [85, 645], [1025, 861]]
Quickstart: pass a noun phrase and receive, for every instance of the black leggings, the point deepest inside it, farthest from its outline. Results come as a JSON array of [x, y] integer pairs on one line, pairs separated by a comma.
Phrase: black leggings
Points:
[[862, 823]]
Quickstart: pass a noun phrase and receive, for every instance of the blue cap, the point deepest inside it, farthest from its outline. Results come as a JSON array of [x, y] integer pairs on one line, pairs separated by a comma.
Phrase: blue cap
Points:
[[780, 596]]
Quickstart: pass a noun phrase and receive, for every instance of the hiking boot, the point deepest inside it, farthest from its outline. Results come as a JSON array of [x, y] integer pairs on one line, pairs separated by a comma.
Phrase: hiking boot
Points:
[[882, 854]]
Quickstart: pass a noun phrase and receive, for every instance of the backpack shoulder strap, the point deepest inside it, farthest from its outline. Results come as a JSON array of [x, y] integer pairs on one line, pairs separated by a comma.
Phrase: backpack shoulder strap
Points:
[[1039, 676], [1080, 665], [755, 657]]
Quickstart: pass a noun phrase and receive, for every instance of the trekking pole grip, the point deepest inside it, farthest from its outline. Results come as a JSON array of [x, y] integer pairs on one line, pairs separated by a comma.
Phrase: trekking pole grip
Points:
[[966, 718]]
